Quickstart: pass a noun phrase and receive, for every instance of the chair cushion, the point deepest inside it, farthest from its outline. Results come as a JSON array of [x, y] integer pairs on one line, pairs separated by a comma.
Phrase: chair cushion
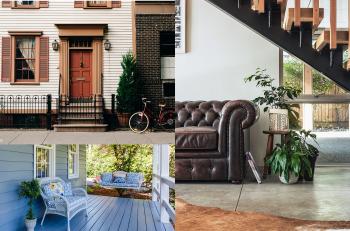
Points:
[[73, 201], [121, 180], [190, 138], [55, 187], [106, 177], [68, 189], [132, 178]]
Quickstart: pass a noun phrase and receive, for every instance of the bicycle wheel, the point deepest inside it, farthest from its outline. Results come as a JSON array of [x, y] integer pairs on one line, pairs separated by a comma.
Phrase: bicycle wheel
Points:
[[168, 120], [139, 122]]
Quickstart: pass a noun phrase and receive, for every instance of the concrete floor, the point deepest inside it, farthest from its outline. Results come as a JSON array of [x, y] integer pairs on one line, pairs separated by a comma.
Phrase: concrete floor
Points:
[[326, 199], [114, 137]]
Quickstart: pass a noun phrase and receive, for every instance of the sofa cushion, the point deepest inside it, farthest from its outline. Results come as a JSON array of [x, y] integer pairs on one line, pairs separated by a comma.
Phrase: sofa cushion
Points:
[[67, 189], [55, 187], [107, 177], [132, 178], [189, 138]]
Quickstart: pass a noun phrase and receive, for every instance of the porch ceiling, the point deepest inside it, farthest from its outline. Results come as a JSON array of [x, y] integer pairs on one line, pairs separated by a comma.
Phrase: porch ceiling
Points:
[[82, 29]]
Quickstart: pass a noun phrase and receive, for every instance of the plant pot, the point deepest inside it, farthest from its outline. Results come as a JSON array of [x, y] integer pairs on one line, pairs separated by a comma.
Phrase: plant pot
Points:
[[30, 224], [123, 119], [278, 120], [292, 179], [312, 160]]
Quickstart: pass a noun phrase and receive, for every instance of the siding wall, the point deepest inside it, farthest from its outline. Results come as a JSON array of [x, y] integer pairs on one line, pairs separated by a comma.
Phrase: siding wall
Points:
[[119, 33], [16, 165]]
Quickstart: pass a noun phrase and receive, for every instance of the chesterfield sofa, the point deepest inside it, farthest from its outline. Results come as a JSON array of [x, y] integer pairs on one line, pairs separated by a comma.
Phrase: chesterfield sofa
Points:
[[209, 139]]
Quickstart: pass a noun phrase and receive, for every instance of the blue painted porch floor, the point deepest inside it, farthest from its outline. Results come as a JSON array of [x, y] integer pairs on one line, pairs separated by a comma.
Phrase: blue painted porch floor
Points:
[[111, 214]]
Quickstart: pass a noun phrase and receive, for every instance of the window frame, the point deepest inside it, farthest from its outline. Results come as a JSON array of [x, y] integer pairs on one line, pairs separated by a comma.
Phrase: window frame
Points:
[[14, 36], [15, 6], [107, 6], [75, 163], [51, 162], [167, 81]]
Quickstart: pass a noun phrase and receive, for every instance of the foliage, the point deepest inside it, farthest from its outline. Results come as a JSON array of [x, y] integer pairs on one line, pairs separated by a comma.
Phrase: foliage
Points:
[[293, 156], [126, 157], [30, 190], [128, 97], [293, 77], [274, 97], [172, 161]]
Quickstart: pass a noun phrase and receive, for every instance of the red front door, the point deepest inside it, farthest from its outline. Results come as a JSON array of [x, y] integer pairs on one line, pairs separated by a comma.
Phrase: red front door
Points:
[[80, 73]]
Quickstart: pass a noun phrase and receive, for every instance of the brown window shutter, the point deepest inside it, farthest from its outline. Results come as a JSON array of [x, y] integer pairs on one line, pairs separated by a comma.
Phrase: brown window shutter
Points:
[[78, 4], [6, 59], [44, 59], [116, 4], [6, 4], [44, 4]]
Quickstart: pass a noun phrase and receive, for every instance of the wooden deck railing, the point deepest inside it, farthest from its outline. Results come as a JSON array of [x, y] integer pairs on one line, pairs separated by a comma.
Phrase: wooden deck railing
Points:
[[162, 182]]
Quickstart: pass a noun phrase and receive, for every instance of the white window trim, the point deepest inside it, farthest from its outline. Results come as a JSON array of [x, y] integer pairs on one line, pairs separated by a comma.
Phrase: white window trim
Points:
[[76, 163], [52, 160]]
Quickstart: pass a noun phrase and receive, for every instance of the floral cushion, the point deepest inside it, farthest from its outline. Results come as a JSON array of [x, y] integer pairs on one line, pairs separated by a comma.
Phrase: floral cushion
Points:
[[72, 201], [119, 180], [106, 177], [68, 189], [51, 188], [132, 178]]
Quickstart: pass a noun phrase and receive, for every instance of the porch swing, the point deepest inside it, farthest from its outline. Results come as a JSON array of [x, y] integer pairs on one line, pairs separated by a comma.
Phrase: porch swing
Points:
[[121, 180]]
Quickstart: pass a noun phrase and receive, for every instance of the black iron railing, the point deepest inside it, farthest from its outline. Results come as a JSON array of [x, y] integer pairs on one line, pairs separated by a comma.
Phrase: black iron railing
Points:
[[25, 111], [80, 109]]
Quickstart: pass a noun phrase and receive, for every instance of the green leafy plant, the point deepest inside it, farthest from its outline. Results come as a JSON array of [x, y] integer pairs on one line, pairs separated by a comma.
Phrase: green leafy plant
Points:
[[128, 97], [275, 96], [31, 191], [293, 156]]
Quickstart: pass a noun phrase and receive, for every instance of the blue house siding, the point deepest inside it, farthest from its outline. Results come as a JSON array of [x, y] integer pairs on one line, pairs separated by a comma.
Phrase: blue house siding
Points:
[[17, 165]]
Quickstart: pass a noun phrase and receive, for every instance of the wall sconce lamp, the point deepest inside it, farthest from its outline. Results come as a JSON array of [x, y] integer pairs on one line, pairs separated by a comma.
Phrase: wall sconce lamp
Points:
[[55, 45], [107, 45]]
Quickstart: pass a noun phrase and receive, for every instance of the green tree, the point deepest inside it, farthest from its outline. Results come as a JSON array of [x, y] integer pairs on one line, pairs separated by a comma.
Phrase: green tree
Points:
[[128, 96]]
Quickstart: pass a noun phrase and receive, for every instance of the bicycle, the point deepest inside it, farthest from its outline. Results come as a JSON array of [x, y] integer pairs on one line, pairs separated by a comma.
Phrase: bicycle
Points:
[[140, 121]]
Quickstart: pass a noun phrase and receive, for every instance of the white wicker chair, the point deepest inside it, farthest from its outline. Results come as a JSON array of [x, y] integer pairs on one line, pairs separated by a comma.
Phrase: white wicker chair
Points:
[[67, 206]]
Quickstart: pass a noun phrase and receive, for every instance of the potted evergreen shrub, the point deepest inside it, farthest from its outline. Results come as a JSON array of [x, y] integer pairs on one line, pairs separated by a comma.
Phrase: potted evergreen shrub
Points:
[[275, 99], [128, 97], [31, 191], [291, 160]]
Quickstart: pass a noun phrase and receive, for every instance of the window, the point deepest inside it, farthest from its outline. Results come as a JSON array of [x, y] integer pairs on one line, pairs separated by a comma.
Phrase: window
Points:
[[25, 4], [324, 106], [96, 4], [25, 53], [73, 161], [167, 56], [44, 161]]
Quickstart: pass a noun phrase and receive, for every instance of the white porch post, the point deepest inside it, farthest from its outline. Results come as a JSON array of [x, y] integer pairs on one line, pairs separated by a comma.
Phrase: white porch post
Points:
[[155, 171], [164, 188]]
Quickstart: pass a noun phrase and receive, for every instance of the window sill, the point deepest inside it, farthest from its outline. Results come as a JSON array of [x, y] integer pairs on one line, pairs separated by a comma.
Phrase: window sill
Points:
[[72, 177], [24, 83]]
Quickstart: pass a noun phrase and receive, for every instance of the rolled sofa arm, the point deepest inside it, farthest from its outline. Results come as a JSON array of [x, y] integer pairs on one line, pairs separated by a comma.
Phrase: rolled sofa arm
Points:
[[236, 116]]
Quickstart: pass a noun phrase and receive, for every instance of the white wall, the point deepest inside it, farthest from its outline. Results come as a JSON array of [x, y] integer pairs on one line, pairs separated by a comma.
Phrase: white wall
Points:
[[119, 33], [220, 53]]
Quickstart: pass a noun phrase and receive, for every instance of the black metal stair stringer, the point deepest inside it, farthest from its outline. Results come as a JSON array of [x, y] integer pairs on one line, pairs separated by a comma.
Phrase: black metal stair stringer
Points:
[[290, 42]]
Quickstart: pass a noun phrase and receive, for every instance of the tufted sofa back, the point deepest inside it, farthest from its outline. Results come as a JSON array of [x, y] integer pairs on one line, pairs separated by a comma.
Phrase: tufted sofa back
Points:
[[198, 113]]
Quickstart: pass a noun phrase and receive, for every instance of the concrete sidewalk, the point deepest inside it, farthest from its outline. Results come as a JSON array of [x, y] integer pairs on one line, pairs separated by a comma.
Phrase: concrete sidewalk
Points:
[[114, 137]]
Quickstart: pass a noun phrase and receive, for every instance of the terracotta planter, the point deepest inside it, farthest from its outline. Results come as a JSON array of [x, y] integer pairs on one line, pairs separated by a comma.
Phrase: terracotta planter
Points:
[[278, 120], [123, 119], [30, 224]]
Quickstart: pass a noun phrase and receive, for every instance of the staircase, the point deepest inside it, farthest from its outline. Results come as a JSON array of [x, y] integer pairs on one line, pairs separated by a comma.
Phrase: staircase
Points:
[[296, 31], [80, 115]]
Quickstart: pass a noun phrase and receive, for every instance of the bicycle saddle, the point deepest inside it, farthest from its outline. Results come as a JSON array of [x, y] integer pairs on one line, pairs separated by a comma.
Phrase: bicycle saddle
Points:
[[162, 104]]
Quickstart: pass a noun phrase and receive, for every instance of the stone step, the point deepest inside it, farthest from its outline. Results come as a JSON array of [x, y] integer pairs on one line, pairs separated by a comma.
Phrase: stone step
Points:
[[80, 127]]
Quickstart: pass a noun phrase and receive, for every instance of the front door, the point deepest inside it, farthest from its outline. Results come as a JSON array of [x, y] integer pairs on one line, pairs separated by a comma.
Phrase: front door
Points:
[[80, 73]]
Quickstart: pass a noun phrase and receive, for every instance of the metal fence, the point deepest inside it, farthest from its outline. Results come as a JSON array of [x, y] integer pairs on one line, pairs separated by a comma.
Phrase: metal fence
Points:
[[25, 111]]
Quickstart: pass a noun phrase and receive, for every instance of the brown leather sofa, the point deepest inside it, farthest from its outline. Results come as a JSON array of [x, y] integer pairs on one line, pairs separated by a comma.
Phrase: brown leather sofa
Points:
[[209, 139]]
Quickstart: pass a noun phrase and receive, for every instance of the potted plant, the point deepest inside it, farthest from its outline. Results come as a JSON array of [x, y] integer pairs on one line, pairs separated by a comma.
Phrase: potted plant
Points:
[[275, 100], [291, 160], [30, 190], [128, 98]]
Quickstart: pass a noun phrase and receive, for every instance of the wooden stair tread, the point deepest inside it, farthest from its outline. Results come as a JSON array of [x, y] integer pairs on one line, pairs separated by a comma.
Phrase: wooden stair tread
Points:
[[306, 15], [324, 38]]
